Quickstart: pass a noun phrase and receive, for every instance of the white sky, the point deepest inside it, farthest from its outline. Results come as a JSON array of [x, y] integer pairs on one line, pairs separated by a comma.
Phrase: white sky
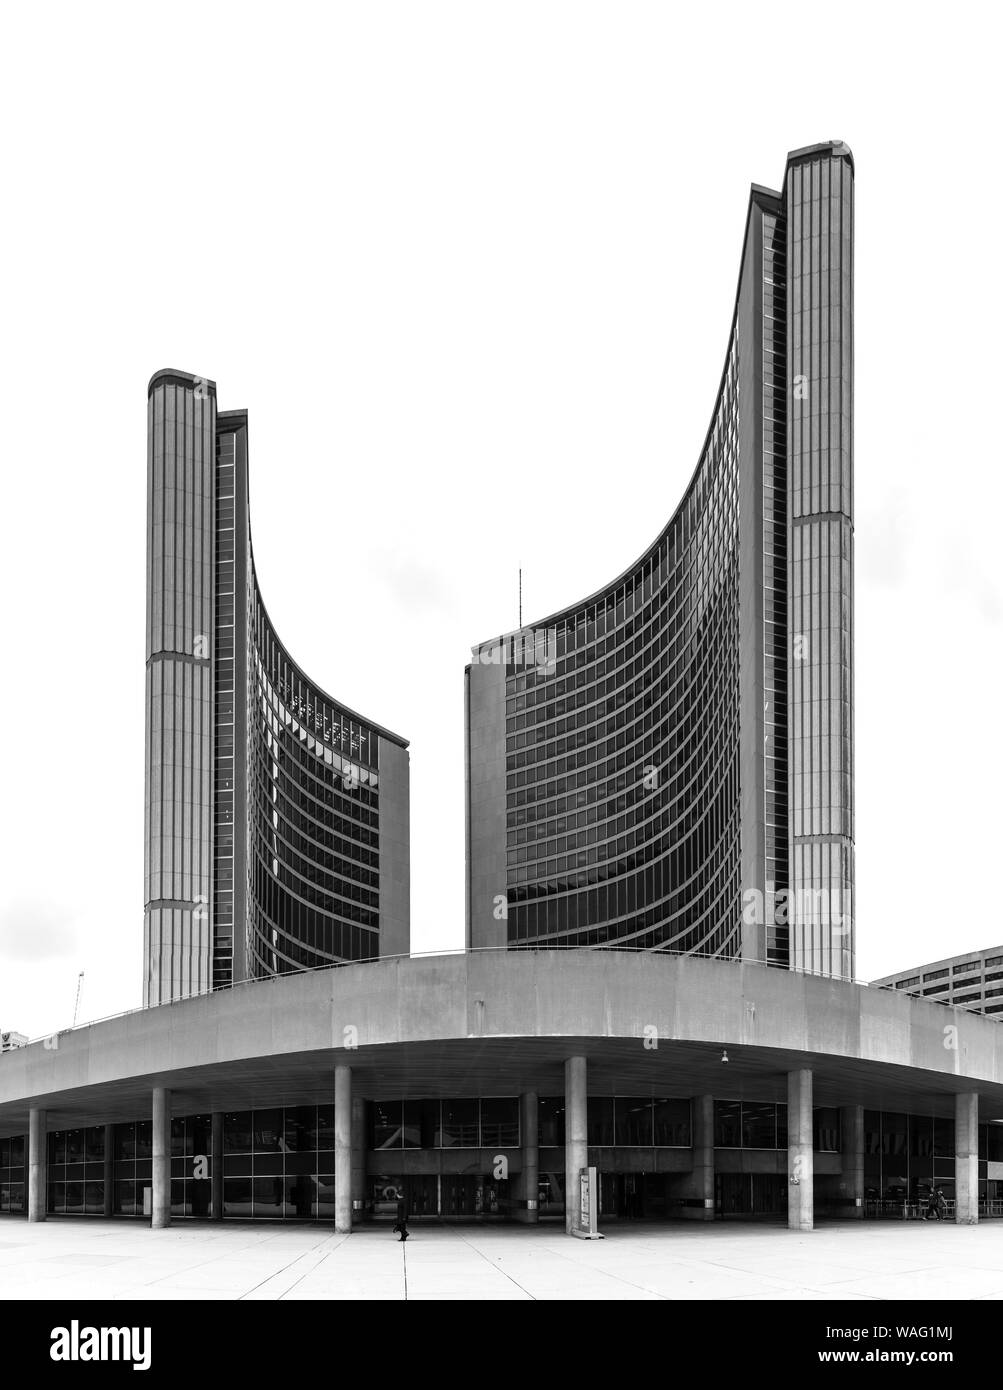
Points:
[[471, 269]]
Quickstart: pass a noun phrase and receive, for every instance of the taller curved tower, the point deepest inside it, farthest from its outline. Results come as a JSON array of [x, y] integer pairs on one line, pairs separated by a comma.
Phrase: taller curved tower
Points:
[[667, 764], [277, 830]]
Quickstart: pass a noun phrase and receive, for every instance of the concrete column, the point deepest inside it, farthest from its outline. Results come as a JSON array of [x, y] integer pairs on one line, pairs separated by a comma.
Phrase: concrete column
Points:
[[161, 1158], [966, 1158], [37, 1165], [343, 1148], [800, 1166], [358, 1155], [527, 1189], [576, 1148], [216, 1166], [851, 1124], [703, 1158], [109, 1170]]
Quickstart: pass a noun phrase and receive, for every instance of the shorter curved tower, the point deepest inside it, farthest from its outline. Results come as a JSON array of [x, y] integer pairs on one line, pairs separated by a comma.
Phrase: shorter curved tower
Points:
[[276, 817]]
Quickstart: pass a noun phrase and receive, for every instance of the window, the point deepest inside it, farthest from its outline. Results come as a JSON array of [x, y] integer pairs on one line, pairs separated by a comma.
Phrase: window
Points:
[[300, 1129], [921, 1136], [421, 1124], [386, 1117], [727, 1124], [825, 1124], [237, 1132], [943, 1138], [551, 1121], [894, 1142], [759, 1125], [672, 1123], [458, 1127], [12, 1173], [994, 1150], [600, 1121], [872, 1132], [500, 1123], [633, 1122]]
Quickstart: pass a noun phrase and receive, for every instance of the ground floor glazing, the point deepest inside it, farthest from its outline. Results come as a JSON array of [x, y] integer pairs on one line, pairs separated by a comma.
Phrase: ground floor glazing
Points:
[[474, 1159]]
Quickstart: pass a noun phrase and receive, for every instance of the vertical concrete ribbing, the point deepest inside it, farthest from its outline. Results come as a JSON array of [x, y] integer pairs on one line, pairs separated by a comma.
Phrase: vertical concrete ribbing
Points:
[[343, 1148], [576, 1150], [800, 1166], [37, 1164], [703, 1155], [161, 1158], [527, 1209], [966, 1158], [179, 698]]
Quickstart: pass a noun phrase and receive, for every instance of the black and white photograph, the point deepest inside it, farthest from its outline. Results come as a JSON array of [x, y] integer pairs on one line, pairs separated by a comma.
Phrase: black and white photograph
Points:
[[502, 642]]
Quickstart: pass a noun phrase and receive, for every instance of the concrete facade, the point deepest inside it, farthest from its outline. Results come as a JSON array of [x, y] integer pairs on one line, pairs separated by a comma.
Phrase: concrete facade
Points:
[[800, 1168], [751, 742], [565, 1023], [395, 849], [486, 906]]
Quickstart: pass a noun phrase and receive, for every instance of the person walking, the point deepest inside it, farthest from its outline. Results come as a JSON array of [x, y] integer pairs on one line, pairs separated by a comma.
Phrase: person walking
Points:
[[937, 1206], [401, 1223]]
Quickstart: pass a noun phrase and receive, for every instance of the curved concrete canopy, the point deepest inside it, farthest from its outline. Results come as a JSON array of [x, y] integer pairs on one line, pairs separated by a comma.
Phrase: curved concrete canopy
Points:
[[497, 1023]]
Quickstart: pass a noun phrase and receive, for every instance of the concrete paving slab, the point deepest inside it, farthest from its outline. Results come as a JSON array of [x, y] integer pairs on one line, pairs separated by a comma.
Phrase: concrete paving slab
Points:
[[63, 1259]]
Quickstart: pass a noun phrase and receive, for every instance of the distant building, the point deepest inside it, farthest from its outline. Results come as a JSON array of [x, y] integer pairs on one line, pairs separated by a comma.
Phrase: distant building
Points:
[[8, 1041], [972, 981]]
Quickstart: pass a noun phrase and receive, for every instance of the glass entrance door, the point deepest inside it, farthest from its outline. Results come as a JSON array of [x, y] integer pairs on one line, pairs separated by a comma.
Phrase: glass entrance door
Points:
[[459, 1195], [750, 1194]]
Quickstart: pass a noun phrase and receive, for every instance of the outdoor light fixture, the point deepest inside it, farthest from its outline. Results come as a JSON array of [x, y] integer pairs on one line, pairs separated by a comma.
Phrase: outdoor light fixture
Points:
[[724, 1055]]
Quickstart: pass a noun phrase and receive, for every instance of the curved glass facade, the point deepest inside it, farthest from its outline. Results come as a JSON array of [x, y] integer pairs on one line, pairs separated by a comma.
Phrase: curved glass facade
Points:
[[313, 819], [273, 843], [667, 765], [622, 781]]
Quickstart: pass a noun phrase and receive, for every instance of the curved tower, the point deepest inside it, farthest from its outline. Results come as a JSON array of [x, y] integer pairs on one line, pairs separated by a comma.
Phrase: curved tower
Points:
[[667, 764], [276, 817]]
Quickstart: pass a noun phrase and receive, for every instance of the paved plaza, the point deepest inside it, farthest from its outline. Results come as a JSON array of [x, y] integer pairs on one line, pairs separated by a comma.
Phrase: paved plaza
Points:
[[85, 1259]]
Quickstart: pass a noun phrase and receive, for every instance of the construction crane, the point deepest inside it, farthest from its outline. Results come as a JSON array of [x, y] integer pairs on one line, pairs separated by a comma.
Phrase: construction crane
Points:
[[76, 1006]]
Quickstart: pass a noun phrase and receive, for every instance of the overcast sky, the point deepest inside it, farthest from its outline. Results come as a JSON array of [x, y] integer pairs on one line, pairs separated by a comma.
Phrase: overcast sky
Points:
[[471, 269]]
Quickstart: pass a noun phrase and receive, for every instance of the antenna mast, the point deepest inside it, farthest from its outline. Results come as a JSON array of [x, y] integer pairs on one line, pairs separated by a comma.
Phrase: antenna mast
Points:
[[76, 1005]]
